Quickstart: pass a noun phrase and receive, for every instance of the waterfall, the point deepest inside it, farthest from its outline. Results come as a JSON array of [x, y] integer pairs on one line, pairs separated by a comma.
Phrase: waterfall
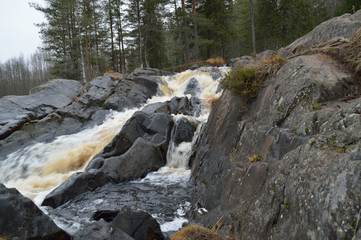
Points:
[[39, 168]]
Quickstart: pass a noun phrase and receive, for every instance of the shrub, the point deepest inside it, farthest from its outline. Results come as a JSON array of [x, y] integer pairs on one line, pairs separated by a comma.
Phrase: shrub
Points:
[[317, 106], [254, 158], [248, 79], [195, 232]]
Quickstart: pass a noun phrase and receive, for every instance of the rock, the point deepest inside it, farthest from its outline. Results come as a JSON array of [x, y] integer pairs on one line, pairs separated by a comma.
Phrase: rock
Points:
[[106, 215], [183, 131], [242, 61], [152, 127], [138, 224], [18, 111], [303, 129], [128, 94], [62, 107], [192, 87], [75, 185], [142, 158], [139, 148], [343, 26], [150, 72], [177, 105], [22, 219], [101, 230]]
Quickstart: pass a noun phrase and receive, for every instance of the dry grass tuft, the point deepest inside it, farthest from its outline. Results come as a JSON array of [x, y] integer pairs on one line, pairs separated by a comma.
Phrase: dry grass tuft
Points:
[[109, 71], [215, 61], [195, 232], [211, 102]]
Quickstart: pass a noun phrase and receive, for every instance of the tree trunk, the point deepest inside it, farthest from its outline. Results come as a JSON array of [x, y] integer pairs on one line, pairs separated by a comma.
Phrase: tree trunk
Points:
[[86, 40], [179, 39], [82, 61], [252, 26], [122, 43], [139, 35], [96, 38], [111, 34], [185, 33], [195, 29]]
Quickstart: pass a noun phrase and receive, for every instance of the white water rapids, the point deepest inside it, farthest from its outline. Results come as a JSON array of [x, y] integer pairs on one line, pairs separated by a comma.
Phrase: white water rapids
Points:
[[38, 169]]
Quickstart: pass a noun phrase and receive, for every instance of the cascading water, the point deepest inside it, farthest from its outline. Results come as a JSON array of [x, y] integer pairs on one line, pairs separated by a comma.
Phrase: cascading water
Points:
[[37, 169]]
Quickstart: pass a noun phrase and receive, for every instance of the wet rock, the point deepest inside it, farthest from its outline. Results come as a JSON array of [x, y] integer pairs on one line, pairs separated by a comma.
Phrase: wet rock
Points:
[[66, 106], [17, 111], [75, 185], [106, 215], [138, 224], [22, 219], [343, 26], [183, 131], [101, 230], [142, 158], [192, 87], [154, 128], [177, 105], [130, 94]]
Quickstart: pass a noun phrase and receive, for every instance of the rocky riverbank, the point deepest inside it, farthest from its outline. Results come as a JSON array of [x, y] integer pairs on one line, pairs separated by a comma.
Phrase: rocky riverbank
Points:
[[284, 165]]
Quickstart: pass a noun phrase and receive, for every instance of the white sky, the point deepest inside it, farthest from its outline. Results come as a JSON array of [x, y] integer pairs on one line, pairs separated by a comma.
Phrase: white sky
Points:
[[18, 34]]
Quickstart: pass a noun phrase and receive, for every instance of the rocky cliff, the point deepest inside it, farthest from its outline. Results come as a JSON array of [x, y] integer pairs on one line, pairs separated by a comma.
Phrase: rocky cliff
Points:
[[287, 164]]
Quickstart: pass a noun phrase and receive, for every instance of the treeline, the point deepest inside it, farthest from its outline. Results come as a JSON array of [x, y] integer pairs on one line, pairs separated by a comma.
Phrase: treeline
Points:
[[18, 75], [84, 38], [87, 37]]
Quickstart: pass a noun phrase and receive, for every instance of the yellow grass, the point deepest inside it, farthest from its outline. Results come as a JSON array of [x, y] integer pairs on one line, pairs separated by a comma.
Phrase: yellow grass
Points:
[[195, 232], [215, 61]]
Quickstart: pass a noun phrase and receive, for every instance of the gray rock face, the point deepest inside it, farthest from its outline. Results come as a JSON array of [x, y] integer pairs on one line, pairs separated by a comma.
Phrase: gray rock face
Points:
[[21, 218], [18, 112], [343, 26], [303, 132]]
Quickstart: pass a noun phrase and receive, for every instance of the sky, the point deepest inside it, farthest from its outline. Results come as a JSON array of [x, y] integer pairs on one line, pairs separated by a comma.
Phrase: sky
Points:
[[18, 33]]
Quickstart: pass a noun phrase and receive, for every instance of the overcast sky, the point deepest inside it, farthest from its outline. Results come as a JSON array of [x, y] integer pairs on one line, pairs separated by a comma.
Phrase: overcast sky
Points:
[[18, 34]]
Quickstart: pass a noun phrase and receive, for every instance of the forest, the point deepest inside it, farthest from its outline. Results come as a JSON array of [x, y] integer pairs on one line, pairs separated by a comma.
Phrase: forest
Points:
[[83, 39]]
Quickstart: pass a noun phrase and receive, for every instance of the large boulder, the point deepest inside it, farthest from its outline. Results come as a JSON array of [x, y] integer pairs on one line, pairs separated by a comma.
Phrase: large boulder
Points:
[[339, 27], [22, 219], [122, 224], [101, 230], [138, 224], [287, 164], [75, 185]]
